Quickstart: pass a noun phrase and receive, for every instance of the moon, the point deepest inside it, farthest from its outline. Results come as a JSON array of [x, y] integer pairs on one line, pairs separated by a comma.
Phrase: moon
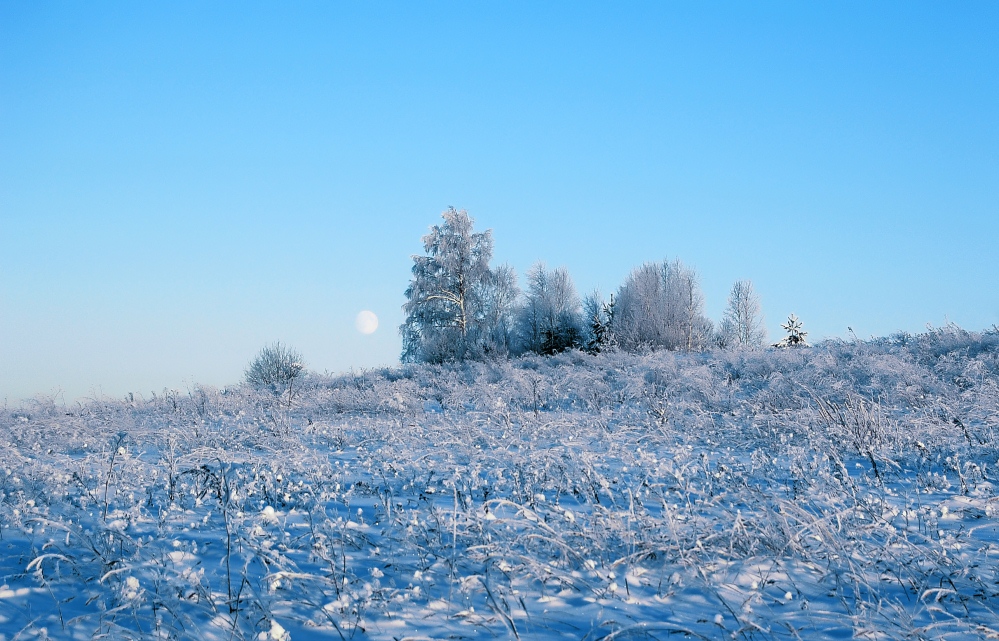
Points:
[[366, 322]]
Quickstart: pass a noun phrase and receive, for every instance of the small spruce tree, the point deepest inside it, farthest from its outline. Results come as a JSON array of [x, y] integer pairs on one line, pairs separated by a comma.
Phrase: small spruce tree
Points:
[[795, 334], [599, 316]]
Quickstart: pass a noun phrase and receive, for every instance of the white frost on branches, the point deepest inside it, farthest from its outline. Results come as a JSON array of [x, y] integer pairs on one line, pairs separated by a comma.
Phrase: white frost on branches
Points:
[[743, 322], [456, 306], [795, 334]]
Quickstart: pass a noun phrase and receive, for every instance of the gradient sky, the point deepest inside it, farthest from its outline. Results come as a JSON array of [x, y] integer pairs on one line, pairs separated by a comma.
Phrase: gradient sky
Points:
[[182, 183]]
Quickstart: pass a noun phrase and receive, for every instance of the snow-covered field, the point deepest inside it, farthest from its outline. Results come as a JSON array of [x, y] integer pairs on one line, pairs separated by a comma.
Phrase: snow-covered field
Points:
[[840, 491]]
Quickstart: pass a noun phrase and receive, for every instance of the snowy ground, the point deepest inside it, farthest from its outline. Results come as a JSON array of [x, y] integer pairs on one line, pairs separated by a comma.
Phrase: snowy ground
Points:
[[840, 491]]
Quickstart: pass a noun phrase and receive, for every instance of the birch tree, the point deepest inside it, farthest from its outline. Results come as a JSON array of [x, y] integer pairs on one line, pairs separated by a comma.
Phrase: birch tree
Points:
[[743, 322], [448, 302], [499, 295], [660, 306]]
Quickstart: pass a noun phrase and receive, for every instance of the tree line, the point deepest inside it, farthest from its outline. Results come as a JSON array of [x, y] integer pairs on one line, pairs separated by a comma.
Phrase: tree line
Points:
[[459, 307]]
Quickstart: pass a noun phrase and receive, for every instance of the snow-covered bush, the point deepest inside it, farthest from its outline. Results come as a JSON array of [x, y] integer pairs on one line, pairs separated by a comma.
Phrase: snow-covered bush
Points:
[[276, 368]]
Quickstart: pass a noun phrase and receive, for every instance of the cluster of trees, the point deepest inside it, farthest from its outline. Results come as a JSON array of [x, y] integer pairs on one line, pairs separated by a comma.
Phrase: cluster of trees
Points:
[[459, 307]]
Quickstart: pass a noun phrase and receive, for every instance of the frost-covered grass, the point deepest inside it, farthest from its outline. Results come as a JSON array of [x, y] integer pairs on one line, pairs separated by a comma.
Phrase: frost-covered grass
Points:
[[840, 491]]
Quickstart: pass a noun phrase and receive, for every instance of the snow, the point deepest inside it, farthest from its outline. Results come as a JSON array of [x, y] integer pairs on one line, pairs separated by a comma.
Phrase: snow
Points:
[[843, 490]]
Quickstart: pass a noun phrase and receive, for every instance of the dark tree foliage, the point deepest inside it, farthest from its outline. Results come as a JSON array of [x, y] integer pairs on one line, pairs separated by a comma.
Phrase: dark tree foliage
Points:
[[599, 317], [550, 319]]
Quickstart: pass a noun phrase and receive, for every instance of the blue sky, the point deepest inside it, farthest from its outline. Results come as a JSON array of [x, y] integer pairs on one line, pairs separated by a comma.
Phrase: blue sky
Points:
[[182, 183]]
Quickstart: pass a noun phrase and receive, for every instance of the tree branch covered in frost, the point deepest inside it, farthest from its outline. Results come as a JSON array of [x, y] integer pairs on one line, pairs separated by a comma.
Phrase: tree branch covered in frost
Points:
[[549, 321], [275, 368], [661, 305], [458, 308], [743, 324]]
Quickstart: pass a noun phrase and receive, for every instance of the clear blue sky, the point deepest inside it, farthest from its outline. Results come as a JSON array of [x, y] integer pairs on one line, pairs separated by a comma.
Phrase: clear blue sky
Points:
[[181, 183]]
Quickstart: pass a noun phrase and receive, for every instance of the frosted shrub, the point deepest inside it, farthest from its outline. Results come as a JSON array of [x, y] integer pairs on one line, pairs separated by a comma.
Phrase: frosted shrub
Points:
[[275, 368]]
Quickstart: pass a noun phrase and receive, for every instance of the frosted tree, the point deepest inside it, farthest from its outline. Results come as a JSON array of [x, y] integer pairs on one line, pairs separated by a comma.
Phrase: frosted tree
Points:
[[451, 298], [499, 295], [795, 334], [550, 320], [641, 309], [598, 320], [743, 322], [686, 304], [660, 305]]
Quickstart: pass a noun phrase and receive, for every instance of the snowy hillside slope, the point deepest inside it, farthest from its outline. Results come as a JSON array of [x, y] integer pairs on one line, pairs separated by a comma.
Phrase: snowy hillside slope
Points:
[[845, 490]]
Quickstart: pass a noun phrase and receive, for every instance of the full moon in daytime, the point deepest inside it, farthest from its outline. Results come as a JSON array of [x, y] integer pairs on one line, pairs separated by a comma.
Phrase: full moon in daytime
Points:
[[366, 322]]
